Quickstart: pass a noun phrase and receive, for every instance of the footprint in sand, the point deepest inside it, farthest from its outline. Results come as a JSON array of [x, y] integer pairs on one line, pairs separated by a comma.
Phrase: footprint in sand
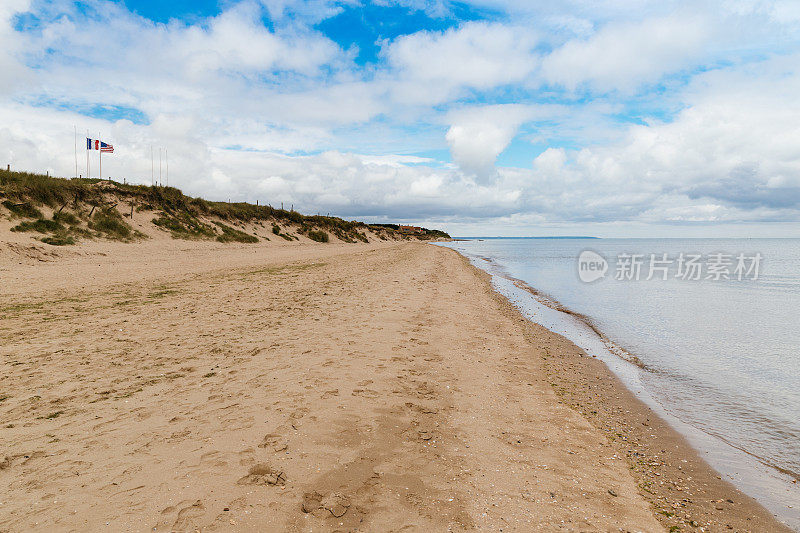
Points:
[[297, 414], [334, 503], [263, 474], [274, 442], [212, 458], [181, 517]]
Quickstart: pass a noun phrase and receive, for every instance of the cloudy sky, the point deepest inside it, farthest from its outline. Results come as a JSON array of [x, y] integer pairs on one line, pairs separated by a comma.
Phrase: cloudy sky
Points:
[[482, 117]]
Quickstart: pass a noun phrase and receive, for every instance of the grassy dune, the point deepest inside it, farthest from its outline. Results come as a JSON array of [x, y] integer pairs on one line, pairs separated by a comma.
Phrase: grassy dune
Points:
[[67, 210]]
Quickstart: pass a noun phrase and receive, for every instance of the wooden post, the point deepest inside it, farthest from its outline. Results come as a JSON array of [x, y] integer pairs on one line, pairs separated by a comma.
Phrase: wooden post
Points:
[[131, 210]]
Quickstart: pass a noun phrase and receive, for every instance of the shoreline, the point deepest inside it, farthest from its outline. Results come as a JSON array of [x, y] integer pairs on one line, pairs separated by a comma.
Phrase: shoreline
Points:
[[667, 467], [627, 356]]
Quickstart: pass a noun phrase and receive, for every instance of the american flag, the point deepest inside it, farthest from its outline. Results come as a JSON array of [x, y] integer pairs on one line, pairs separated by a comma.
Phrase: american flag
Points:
[[108, 148]]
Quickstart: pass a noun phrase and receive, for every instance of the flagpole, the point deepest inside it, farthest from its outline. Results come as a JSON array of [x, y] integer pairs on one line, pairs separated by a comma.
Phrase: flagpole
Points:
[[87, 154], [152, 167], [100, 156], [159, 166], [75, 127], [166, 156]]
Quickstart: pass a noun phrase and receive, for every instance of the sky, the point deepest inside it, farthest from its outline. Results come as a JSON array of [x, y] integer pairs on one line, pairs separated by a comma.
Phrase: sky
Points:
[[610, 118]]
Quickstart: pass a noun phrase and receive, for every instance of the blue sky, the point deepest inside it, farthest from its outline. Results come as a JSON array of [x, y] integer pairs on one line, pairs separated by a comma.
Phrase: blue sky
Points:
[[485, 116], [191, 11]]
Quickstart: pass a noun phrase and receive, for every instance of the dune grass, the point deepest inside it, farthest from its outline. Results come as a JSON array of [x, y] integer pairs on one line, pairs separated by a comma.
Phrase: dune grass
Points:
[[109, 223], [59, 240], [22, 210], [317, 235], [230, 234], [41, 225]]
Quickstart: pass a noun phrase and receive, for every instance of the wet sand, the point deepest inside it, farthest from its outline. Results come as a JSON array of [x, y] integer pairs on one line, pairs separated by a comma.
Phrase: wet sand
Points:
[[340, 387]]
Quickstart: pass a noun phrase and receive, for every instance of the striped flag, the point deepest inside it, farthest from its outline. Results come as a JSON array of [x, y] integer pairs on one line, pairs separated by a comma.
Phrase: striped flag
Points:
[[95, 144]]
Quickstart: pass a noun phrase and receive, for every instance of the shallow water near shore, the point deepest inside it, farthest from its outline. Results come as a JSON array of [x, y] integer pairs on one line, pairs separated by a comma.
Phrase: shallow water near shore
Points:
[[719, 359]]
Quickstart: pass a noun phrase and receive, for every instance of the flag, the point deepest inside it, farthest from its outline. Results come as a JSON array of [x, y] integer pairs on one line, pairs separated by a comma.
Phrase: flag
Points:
[[95, 144]]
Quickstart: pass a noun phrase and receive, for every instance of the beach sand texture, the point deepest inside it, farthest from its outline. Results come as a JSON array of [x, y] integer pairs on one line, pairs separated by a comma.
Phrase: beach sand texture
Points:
[[381, 387]]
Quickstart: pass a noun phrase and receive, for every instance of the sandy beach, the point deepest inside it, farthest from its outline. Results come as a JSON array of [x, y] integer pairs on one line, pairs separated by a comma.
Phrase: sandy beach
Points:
[[185, 386]]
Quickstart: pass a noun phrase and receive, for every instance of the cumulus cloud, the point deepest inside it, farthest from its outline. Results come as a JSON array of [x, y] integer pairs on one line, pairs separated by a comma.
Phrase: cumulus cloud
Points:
[[478, 135], [731, 147], [432, 66], [623, 56]]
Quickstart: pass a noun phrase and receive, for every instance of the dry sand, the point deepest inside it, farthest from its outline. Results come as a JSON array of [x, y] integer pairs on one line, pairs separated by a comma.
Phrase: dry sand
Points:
[[383, 387]]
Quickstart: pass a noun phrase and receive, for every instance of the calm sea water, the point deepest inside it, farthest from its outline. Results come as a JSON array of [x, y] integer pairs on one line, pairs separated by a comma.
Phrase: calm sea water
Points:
[[720, 356]]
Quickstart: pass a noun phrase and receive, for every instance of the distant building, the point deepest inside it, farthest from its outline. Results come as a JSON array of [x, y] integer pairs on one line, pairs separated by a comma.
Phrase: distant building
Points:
[[411, 230]]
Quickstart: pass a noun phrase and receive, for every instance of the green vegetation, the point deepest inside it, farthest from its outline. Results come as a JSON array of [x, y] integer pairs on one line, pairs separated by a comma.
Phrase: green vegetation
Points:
[[109, 222], [61, 236], [22, 209], [42, 225], [277, 231], [185, 226], [429, 233], [230, 234], [317, 235], [59, 240], [67, 218]]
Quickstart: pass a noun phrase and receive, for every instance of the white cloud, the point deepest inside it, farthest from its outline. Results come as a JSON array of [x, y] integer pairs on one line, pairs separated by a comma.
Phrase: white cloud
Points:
[[623, 56], [13, 74], [306, 11], [478, 135], [432, 66]]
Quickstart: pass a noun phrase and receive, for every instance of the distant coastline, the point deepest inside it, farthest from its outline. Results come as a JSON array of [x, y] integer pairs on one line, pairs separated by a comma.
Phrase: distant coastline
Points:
[[577, 237]]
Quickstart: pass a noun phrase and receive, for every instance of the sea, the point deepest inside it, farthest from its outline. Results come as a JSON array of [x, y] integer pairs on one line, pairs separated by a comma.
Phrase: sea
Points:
[[705, 331]]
